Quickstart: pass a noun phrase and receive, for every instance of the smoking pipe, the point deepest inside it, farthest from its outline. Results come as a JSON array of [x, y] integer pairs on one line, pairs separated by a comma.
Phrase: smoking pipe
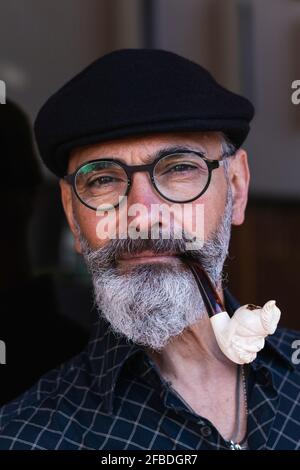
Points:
[[241, 336]]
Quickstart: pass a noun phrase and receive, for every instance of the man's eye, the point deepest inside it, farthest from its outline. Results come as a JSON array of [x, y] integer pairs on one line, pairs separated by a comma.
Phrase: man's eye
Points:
[[180, 168], [102, 180]]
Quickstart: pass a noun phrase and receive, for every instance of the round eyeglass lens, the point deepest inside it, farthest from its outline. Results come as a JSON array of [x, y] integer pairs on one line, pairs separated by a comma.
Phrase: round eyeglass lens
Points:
[[101, 183], [181, 177]]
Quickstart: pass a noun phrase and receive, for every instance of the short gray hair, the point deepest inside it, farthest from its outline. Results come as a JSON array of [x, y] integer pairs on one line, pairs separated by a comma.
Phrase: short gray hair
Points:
[[228, 149]]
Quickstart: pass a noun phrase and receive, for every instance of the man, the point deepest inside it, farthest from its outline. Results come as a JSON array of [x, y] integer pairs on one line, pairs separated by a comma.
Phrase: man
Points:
[[141, 129]]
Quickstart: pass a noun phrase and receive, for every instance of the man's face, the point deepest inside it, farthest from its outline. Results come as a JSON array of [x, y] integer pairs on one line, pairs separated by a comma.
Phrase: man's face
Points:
[[138, 286]]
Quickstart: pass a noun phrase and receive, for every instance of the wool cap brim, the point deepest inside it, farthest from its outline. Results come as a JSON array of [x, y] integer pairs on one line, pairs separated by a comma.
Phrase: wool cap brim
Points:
[[134, 92]]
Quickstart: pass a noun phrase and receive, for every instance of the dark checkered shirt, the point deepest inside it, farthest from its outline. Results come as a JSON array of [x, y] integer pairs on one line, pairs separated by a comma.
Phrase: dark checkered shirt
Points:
[[112, 396]]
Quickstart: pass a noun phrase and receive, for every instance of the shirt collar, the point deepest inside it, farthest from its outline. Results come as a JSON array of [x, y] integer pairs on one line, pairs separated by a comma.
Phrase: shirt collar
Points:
[[108, 352]]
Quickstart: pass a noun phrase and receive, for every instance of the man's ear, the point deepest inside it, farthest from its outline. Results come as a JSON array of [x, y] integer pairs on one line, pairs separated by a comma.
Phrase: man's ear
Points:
[[239, 176], [67, 202]]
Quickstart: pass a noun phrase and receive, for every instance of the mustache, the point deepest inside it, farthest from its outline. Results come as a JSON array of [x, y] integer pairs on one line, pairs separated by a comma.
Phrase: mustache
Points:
[[115, 249]]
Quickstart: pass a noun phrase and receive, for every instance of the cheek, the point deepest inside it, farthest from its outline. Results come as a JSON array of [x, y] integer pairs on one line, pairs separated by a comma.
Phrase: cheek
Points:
[[88, 221], [207, 211]]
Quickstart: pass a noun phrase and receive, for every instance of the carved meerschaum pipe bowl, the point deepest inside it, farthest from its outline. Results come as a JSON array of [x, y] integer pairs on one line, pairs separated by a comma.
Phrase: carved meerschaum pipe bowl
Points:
[[241, 336]]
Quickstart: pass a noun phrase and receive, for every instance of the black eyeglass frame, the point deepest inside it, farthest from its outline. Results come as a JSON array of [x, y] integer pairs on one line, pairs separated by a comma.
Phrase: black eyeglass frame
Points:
[[149, 168]]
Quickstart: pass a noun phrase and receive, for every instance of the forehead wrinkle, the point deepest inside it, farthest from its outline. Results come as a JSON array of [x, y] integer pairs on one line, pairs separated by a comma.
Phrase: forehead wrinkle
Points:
[[84, 154], [167, 149]]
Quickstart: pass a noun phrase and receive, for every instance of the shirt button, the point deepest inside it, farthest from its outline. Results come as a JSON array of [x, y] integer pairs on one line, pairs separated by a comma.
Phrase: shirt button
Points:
[[205, 431]]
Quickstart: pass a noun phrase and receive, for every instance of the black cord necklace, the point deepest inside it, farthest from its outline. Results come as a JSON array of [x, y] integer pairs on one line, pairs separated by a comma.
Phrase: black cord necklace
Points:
[[242, 445]]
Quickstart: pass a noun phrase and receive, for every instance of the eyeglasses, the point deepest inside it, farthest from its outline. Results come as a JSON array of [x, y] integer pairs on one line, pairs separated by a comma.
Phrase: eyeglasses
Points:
[[178, 177]]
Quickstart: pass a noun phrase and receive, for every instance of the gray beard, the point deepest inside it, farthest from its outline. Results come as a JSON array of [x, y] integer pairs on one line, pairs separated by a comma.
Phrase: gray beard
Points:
[[153, 303]]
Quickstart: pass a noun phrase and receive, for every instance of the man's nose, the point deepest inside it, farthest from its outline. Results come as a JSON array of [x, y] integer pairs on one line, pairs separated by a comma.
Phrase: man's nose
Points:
[[143, 202]]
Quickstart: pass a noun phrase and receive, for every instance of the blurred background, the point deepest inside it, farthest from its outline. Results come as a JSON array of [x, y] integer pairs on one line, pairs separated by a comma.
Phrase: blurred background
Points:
[[250, 46]]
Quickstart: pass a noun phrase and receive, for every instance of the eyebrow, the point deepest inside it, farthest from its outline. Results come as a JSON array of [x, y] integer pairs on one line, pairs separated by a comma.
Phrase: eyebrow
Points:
[[162, 152]]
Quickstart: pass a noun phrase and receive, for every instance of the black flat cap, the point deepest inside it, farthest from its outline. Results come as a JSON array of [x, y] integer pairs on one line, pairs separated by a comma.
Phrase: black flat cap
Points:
[[133, 92]]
